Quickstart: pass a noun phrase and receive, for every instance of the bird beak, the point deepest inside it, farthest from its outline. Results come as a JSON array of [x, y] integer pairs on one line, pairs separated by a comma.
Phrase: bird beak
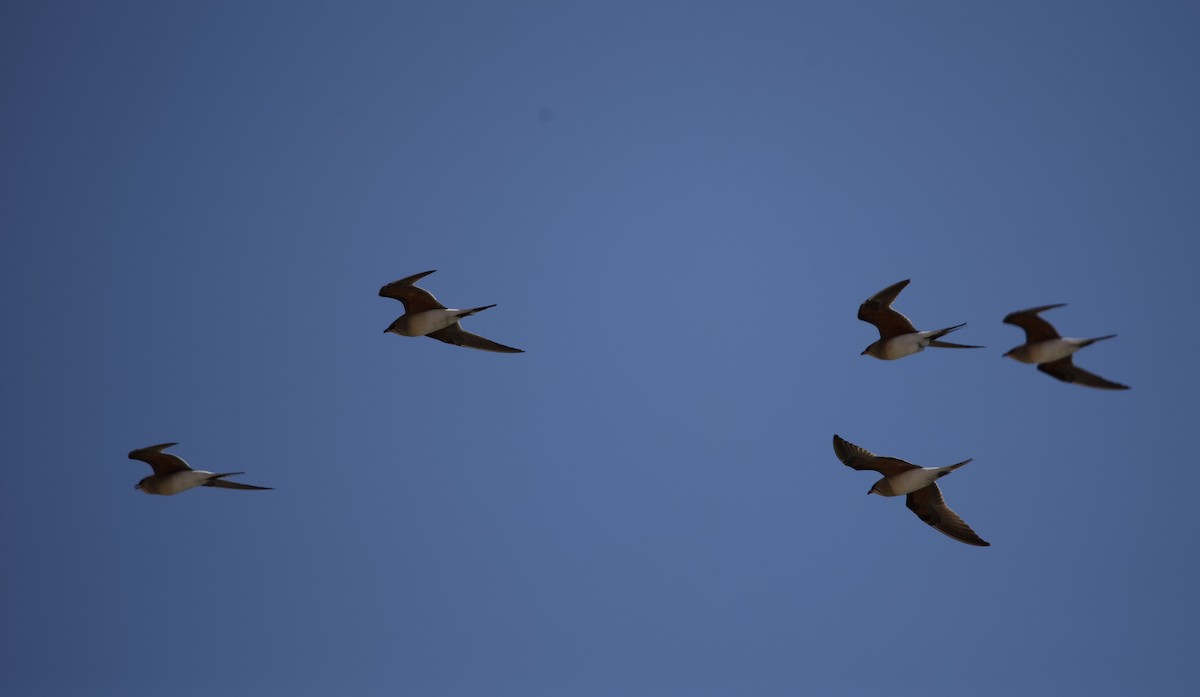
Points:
[[863, 353], [385, 331]]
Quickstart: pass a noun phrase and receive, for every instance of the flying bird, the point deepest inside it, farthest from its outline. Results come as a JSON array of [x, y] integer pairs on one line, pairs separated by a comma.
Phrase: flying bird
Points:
[[900, 477], [1051, 352], [425, 316], [897, 335], [172, 475]]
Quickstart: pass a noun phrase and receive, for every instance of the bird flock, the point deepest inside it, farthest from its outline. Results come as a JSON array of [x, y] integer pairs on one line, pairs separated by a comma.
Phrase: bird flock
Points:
[[898, 338]]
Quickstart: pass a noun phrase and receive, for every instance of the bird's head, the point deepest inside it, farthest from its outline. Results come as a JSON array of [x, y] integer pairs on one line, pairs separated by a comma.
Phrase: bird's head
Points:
[[142, 485]]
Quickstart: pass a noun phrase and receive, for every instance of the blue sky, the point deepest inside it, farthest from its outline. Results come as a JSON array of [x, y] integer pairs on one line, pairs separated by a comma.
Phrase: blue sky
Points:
[[677, 208]]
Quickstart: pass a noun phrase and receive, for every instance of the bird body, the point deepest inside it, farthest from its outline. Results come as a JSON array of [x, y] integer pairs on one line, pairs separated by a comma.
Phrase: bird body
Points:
[[897, 335], [911, 480], [1051, 352], [902, 345], [425, 316], [172, 474], [924, 498], [429, 321], [170, 484]]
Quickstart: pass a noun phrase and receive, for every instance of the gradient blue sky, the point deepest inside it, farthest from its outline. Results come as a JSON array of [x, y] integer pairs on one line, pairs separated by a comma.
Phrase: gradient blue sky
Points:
[[678, 207]]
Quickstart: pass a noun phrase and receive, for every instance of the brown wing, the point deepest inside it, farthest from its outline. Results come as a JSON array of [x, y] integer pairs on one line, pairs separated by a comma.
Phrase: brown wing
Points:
[[862, 459], [1036, 328], [224, 484], [878, 311], [415, 299], [455, 334], [162, 463], [1065, 369], [930, 507]]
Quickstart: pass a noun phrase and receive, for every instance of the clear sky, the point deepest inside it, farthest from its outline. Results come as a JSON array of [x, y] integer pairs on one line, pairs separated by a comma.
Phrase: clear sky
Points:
[[678, 207]]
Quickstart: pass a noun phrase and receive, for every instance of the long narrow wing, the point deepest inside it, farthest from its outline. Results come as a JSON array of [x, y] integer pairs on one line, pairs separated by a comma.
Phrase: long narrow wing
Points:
[[877, 310], [455, 334], [225, 484], [1036, 328], [858, 458], [930, 507], [1065, 369], [415, 299], [162, 463]]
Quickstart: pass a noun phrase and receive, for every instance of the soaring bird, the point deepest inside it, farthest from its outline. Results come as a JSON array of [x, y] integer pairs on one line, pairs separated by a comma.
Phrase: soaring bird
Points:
[[172, 475], [425, 316], [1051, 352], [900, 477], [897, 335]]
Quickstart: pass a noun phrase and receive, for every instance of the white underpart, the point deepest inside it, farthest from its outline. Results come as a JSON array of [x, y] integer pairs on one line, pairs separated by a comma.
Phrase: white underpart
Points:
[[905, 345], [180, 481], [1050, 350], [912, 480], [429, 321]]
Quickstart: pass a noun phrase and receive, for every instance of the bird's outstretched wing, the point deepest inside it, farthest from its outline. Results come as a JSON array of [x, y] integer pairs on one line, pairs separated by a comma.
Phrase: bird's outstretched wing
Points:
[[225, 484], [862, 459], [455, 334], [1065, 369], [930, 507], [1036, 328], [415, 299], [162, 463], [877, 310]]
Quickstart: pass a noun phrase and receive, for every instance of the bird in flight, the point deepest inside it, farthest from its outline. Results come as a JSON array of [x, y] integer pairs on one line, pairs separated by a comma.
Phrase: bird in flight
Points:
[[172, 475], [1051, 352], [900, 477], [425, 316], [897, 335]]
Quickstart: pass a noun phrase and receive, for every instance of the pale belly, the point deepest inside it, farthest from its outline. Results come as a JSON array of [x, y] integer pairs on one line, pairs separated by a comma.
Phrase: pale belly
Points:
[[909, 481], [1047, 351], [180, 481], [428, 322], [901, 346]]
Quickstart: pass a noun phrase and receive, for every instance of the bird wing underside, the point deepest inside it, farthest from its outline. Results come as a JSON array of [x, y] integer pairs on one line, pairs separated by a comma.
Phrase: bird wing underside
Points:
[[162, 463], [225, 484], [878, 311], [1065, 369], [930, 507], [455, 334], [1036, 328], [858, 458], [889, 322], [415, 299]]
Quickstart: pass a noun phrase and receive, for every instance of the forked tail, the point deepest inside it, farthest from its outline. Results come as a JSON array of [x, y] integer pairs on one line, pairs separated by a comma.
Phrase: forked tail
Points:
[[943, 471], [946, 344], [468, 313]]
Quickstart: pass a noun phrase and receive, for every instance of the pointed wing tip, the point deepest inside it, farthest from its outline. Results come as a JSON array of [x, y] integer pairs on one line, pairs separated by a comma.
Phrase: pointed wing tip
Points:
[[849, 454], [1032, 311], [976, 541], [227, 484], [406, 281], [133, 454], [1065, 370]]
